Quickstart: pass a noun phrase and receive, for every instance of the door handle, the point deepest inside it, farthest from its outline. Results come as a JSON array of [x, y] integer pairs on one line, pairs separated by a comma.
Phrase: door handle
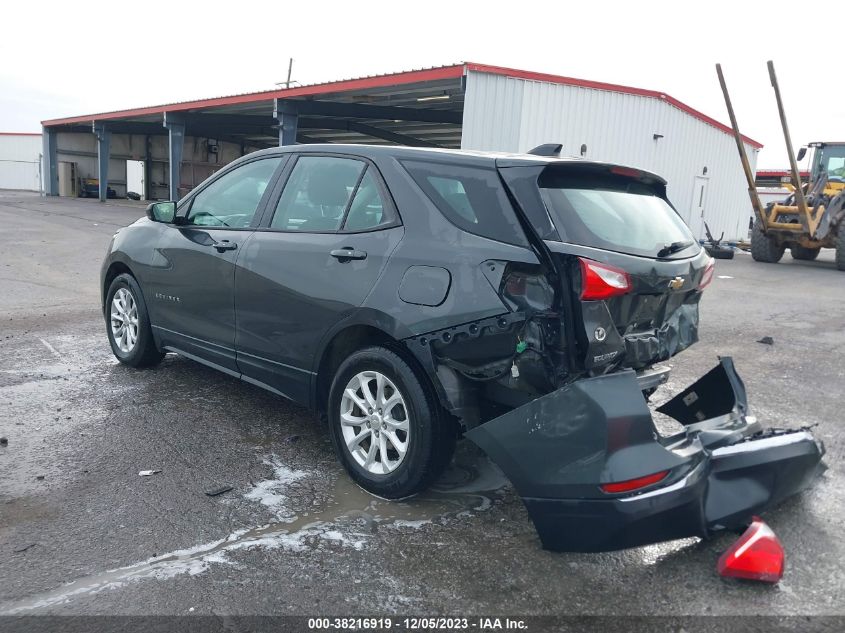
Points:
[[346, 253], [224, 245]]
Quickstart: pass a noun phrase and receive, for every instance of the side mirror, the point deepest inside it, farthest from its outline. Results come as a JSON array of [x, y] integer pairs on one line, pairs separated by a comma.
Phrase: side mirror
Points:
[[801, 154], [162, 212]]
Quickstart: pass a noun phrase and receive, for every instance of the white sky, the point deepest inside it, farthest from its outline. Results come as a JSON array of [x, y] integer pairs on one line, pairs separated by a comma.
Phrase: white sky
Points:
[[77, 57]]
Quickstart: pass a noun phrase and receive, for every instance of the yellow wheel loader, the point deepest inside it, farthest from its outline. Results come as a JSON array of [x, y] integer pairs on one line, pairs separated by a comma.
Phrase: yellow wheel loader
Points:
[[813, 216]]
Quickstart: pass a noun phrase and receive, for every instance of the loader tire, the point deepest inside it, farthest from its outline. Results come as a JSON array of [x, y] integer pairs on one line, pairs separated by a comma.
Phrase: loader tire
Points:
[[764, 248], [840, 246], [803, 253]]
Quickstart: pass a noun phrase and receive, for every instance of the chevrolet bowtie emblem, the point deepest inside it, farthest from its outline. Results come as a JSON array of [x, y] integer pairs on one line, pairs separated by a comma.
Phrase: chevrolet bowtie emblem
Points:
[[677, 283]]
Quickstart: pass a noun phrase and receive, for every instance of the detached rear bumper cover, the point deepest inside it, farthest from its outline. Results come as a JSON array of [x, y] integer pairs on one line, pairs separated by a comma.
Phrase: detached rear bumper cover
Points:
[[559, 449]]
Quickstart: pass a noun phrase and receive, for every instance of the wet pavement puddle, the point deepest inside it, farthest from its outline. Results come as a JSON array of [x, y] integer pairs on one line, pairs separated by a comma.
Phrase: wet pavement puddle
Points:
[[470, 485]]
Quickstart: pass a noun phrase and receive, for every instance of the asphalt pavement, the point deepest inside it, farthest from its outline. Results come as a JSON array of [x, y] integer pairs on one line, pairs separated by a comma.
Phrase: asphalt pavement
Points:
[[82, 533]]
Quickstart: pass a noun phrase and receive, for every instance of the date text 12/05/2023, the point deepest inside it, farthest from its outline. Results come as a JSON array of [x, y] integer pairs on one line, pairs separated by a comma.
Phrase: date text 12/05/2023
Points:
[[419, 624]]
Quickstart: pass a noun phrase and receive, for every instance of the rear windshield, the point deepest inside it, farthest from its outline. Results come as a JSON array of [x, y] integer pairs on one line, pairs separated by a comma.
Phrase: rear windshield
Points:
[[616, 214]]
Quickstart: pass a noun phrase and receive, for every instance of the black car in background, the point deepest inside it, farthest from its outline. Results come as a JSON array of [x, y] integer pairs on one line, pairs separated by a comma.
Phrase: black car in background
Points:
[[414, 296]]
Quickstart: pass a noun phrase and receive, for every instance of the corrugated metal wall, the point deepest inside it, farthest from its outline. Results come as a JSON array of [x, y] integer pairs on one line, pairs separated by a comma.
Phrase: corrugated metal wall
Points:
[[509, 114], [20, 161]]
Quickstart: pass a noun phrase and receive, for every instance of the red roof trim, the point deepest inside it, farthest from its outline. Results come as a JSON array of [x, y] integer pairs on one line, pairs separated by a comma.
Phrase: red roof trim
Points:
[[393, 79], [347, 85], [598, 85], [20, 133], [771, 173]]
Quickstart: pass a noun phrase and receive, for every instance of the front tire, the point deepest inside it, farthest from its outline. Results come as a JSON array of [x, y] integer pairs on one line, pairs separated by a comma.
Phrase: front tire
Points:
[[387, 427], [840, 245], [763, 247], [804, 254], [128, 324]]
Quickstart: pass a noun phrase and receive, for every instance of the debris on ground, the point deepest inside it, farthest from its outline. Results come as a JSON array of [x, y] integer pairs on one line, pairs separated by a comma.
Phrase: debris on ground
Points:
[[767, 340], [219, 491], [291, 439], [715, 248], [23, 548], [40, 477], [757, 555], [148, 473], [4, 441], [724, 277]]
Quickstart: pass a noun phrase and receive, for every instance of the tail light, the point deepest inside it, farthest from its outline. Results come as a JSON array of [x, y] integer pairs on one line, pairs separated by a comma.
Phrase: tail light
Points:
[[602, 281], [634, 484], [757, 555], [707, 277]]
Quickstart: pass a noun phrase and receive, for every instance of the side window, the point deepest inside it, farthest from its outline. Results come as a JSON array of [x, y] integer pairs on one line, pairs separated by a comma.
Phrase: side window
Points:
[[471, 198], [367, 210], [317, 194], [231, 200]]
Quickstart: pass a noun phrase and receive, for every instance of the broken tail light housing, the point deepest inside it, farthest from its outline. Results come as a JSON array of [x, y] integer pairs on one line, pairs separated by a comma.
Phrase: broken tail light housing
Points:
[[602, 281], [526, 290], [630, 485], [757, 555], [707, 277]]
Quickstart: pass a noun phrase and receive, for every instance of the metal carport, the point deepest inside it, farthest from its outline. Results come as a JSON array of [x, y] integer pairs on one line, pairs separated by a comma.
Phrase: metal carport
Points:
[[417, 108]]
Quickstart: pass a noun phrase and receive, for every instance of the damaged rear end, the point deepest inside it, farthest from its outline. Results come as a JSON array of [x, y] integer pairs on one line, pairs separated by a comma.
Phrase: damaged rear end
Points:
[[595, 475], [556, 389]]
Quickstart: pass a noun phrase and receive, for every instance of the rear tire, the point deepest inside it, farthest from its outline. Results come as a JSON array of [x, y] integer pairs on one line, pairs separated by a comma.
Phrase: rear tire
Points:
[[840, 245], [763, 247], [128, 324], [368, 444], [803, 253]]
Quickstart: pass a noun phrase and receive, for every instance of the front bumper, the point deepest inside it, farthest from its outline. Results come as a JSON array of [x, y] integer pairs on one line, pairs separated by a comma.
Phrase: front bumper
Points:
[[722, 468]]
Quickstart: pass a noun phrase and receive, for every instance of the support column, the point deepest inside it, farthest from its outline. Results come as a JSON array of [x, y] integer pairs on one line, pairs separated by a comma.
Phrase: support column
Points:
[[103, 135], [50, 168], [286, 114], [175, 125], [148, 168]]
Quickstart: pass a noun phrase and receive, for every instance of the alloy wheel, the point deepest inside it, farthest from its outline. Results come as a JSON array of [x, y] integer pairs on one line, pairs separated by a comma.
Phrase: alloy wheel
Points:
[[375, 423], [124, 320]]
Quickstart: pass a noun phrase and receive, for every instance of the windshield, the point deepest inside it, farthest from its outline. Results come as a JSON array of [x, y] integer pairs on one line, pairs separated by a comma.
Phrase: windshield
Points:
[[623, 216], [832, 160]]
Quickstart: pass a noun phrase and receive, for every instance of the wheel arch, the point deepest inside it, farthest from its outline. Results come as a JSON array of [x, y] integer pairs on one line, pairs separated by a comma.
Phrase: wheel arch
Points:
[[367, 329], [114, 269]]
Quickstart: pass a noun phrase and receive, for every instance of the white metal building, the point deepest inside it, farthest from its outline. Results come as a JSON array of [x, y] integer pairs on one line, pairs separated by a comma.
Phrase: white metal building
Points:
[[171, 148], [641, 128], [20, 161]]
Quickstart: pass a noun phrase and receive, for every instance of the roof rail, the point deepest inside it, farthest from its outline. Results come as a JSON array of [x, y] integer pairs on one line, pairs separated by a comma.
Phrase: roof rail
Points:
[[547, 149]]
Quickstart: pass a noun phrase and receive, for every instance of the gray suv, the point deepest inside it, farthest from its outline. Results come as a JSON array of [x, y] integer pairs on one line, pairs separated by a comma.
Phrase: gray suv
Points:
[[416, 296]]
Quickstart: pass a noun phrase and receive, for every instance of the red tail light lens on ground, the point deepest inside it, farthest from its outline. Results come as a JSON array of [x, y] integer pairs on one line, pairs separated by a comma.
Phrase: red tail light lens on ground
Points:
[[602, 281], [757, 555], [634, 484], [707, 277]]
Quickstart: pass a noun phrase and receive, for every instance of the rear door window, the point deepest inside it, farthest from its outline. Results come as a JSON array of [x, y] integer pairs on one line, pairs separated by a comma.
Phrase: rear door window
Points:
[[472, 198], [367, 210], [317, 194], [615, 214]]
